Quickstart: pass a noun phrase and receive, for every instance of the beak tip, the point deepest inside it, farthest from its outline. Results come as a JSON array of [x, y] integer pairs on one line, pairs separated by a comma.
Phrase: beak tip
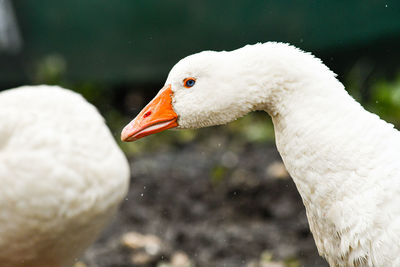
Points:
[[123, 138], [127, 139], [126, 134]]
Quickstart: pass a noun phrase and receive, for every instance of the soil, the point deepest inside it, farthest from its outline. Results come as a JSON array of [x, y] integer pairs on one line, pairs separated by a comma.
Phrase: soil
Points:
[[220, 204]]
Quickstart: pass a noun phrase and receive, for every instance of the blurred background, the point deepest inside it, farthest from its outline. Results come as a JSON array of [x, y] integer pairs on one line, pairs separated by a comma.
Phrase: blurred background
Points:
[[212, 197]]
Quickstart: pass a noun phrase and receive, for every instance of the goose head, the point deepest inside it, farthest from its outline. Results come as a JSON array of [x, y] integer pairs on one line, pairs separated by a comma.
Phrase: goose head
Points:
[[205, 89]]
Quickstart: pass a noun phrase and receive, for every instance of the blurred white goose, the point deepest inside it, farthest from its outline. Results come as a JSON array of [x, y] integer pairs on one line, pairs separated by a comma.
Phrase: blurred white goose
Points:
[[62, 176], [344, 160]]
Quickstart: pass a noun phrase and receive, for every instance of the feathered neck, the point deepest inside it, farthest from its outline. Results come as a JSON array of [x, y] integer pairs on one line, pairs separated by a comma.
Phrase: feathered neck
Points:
[[332, 148]]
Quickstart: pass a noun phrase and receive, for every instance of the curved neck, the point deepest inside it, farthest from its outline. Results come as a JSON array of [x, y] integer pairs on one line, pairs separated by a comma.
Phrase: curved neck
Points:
[[323, 136], [311, 126]]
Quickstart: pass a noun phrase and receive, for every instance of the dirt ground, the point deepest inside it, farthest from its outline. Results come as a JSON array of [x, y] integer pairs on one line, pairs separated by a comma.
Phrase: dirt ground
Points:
[[215, 203]]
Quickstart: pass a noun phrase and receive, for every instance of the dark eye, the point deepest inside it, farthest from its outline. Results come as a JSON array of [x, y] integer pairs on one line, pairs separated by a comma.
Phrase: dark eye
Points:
[[189, 82]]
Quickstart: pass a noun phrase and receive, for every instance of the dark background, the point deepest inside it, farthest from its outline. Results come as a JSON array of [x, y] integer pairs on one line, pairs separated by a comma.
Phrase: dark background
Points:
[[137, 42]]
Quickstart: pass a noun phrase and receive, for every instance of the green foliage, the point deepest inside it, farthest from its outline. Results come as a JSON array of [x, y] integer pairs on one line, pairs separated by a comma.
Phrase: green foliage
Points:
[[218, 173], [292, 262], [254, 128], [378, 95], [385, 100], [50, 69]]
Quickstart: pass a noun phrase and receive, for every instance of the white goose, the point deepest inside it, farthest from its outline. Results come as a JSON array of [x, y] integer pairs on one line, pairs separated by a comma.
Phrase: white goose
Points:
[[344, 160], [62, 176]]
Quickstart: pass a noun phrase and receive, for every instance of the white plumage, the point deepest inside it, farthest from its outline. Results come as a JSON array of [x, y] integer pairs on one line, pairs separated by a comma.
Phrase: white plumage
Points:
[[344, 160], [62, 176]]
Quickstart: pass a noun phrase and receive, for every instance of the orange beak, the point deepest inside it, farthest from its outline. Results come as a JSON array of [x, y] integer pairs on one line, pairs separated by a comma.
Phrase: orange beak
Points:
[[157, 116]]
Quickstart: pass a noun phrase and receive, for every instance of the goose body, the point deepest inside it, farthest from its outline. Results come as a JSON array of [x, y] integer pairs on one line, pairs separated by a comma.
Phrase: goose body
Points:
[[344, 160], [62, 176]]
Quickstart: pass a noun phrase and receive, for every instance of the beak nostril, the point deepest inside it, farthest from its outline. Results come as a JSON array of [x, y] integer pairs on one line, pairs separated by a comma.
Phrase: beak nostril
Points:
[[148, 113]]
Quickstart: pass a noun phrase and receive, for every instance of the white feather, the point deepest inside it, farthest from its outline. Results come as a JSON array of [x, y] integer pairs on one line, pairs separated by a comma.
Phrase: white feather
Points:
[[62, 176]]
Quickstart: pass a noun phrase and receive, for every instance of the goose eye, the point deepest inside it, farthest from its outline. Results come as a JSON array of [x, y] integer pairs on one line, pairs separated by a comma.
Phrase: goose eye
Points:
[[189, 82]]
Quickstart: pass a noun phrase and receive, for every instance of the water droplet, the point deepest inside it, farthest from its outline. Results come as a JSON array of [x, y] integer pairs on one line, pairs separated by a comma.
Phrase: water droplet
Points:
[[141, 194], [386, 5]]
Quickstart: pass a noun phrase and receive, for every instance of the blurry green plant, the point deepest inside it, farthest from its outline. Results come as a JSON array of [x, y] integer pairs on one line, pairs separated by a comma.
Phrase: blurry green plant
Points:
[[254, 128], [380, 95], [50, 70], [292, 262], [218, 173], [385, 100]]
